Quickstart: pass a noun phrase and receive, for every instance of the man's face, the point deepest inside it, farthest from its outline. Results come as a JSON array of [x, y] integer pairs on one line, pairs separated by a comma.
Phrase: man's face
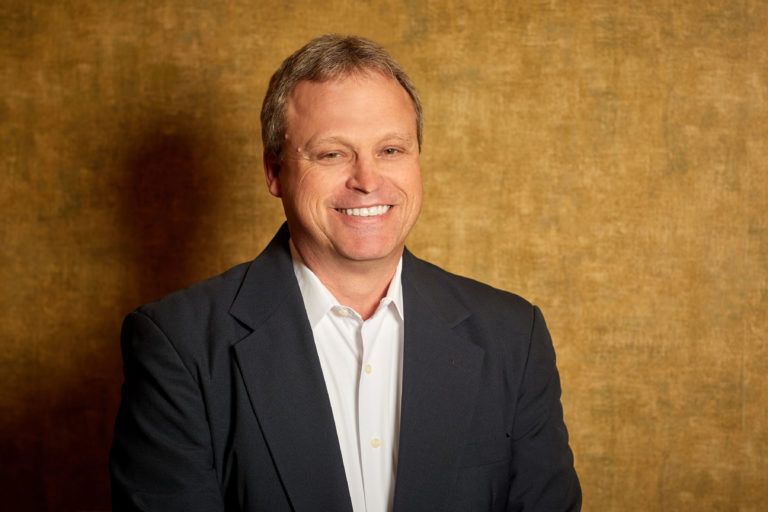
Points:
[[349, 177]]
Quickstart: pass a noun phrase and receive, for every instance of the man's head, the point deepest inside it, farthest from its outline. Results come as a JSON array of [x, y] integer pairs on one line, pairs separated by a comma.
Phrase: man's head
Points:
[[342, 131], [325, 58]]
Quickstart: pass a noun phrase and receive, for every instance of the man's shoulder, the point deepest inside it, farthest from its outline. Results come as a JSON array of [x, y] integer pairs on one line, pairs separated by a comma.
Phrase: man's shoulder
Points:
[[200, 303], [479, 298], [215, 296]]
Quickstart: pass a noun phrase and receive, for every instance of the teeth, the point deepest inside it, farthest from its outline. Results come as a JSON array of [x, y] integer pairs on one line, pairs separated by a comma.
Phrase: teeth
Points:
[[365, 212]]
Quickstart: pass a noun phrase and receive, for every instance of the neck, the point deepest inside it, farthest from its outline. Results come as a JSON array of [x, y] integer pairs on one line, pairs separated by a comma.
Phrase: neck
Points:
[[358, 284]]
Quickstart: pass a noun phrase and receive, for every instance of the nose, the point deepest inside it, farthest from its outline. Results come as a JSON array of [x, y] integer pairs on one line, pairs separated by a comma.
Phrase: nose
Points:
[[364, 176]]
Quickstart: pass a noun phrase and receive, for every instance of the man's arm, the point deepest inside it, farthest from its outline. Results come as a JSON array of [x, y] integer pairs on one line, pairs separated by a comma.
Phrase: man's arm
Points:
[[543, 476], [161, 458]]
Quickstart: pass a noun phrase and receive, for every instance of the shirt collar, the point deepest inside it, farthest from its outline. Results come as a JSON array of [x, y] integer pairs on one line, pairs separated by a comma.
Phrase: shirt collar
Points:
[[318, 300]]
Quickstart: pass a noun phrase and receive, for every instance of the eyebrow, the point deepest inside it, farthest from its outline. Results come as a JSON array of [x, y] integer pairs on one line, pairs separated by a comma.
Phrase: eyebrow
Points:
[[336, 139], [405, 139]]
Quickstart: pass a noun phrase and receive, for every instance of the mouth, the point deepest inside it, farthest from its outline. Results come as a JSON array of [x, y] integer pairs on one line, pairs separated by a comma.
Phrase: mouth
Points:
[[372, 211]]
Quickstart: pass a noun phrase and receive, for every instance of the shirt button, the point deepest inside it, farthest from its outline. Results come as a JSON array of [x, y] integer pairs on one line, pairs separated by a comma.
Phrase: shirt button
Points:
[[375, 442], [368, 369]]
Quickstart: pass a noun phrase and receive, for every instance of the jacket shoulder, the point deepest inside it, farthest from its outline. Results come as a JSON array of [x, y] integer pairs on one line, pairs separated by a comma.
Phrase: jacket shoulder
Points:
[[479, 298], [200, 299], [196, 319]]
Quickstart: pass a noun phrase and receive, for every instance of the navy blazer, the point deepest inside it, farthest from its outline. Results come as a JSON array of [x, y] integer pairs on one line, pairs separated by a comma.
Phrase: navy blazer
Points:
[[224, 406]]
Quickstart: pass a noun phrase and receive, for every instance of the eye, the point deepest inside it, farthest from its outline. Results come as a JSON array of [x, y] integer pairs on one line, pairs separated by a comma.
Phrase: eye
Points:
[[391, 151], [331, 157]]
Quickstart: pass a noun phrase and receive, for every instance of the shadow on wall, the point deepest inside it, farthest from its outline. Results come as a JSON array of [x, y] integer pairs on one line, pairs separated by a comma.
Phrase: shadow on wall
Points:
[[167, 185], [171, 190]]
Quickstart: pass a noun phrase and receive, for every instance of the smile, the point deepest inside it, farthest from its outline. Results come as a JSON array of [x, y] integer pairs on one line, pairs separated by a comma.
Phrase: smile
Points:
[[365, 212]]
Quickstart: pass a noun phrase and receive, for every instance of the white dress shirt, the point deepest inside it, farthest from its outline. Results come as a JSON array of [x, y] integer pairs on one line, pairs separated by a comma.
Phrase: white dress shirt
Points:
[[362, 367]]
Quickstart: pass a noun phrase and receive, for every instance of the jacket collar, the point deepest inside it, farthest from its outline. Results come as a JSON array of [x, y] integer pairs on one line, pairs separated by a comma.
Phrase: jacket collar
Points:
[[267, 282]]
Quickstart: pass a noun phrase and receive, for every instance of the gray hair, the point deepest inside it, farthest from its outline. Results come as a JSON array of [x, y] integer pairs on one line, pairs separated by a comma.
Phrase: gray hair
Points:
[[325, 58]]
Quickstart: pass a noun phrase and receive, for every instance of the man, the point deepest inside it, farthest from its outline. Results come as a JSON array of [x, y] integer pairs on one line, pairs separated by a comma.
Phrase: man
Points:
[[337, 372]]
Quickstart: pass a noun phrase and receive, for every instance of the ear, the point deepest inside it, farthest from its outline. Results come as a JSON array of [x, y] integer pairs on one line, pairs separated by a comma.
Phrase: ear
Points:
[[272, 174]]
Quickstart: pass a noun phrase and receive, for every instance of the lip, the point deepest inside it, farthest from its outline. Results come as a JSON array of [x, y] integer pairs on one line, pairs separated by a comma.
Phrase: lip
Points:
[[349, 207]]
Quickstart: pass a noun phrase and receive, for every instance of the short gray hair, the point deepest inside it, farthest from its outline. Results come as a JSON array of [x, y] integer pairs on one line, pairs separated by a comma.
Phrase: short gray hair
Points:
[[325, 58]]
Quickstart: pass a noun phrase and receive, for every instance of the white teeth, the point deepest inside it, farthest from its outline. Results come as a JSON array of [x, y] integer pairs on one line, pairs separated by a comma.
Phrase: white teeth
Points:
[[365, 212]]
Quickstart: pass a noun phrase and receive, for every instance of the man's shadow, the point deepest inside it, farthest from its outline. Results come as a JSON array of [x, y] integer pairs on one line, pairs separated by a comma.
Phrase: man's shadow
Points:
[[171, 189], [169, 185]]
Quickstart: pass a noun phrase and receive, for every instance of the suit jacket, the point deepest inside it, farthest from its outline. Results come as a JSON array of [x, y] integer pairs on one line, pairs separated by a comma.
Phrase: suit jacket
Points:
[[224, 406]]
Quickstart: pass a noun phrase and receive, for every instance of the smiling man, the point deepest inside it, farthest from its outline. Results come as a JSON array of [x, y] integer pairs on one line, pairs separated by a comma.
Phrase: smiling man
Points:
[[336, 371], [351, 188]]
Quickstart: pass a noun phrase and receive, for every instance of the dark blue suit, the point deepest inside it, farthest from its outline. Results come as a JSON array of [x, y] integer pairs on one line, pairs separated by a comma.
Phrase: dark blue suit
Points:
[[225, 408]]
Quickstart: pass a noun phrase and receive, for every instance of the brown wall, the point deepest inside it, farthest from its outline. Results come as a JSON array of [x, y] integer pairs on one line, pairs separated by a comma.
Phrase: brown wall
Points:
[[605, 159]]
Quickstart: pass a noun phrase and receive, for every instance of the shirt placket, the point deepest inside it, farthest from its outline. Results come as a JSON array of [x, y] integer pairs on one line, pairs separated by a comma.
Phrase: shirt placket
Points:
[[373, 398], [347, 369]]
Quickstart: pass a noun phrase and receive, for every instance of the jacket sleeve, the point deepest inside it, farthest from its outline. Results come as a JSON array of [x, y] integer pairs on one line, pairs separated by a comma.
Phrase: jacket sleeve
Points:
[[543, 474], [161, 457]]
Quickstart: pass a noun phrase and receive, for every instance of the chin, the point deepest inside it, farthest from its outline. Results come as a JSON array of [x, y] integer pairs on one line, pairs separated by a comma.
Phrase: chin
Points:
[[368, 251]]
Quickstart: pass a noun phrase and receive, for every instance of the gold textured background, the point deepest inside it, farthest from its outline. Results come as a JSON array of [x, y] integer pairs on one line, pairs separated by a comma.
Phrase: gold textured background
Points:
[[605, 159]]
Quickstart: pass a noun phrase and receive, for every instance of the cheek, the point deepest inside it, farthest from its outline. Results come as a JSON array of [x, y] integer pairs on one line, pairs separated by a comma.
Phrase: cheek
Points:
[[313, 190], [416, 195], [418, 185], [413, 186]]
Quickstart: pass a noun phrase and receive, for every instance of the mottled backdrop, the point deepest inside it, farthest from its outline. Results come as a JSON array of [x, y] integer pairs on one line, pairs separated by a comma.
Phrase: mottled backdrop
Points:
[[605, 159]]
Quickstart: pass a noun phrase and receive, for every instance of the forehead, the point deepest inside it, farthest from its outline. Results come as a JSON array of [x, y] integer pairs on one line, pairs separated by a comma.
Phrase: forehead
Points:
[[358, 79], [368, 97]]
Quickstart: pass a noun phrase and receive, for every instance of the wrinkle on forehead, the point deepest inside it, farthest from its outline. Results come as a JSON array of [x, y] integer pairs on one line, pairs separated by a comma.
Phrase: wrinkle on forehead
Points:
[[300, 102]]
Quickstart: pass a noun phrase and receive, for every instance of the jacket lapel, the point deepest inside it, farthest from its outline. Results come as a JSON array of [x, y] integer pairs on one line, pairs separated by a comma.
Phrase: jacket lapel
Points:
[[285, 385], [441, 376]]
